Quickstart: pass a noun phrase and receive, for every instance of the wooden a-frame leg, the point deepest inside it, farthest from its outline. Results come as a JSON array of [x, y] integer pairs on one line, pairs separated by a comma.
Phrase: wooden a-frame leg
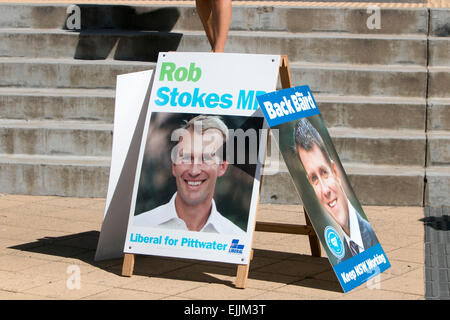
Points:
[[242, 273], [314, 241], [128, 265]]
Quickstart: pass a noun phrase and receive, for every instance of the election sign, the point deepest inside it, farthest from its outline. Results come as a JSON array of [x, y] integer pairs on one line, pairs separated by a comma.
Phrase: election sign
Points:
[[197, 179], [320, 180], [132, 96]]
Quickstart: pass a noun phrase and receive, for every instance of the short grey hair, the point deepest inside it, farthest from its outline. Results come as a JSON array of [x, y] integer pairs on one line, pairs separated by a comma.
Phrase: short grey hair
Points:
[[208, 122]]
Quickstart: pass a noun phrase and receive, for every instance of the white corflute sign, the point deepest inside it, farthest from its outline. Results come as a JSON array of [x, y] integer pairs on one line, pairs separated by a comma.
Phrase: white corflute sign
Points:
[[198, 172], [132, 95]]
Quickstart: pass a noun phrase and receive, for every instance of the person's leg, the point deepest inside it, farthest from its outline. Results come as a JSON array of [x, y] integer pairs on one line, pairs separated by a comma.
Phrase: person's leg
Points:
[[204, 11], [221, 17]]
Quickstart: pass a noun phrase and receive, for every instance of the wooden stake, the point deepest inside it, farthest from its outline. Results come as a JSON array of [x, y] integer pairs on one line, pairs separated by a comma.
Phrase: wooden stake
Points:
[[284, 228], [242, 275], [285, 73], [128, 265], [314, 242]]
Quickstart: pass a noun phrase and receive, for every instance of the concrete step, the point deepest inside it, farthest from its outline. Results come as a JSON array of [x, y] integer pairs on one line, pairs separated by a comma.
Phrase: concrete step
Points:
[[57, 104], [245, 17], [317, 47], [439, 82], [88, 138], [66, 73], [439, 51], [437, 188], [88, 177], [351, 20], [54, 175], [145, 45], [329, 79], [378, 146], [372, 112], [438, 114], [55, 137], [372, 184], [98, 105], [439, 18], [87, 45], [438, 148], [363, 80]]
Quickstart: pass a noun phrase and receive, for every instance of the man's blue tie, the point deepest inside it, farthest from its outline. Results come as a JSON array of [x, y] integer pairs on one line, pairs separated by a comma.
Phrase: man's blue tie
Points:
[[354, 248]]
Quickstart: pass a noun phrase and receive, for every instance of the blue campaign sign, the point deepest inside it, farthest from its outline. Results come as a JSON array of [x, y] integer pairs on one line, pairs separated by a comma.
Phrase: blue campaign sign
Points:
[[321, 182], [287, 105], [362, 267]]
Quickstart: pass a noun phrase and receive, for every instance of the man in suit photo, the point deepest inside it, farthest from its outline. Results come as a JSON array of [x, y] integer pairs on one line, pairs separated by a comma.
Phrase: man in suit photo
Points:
[[324, 178]]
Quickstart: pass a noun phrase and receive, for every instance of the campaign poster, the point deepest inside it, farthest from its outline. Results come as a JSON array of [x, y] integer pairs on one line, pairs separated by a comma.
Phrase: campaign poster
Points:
[[338, 219], [198, 173], [131, 103]]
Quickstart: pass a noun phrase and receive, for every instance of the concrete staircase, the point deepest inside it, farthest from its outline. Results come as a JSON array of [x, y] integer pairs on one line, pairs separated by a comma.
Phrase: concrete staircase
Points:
[[438, 110], [384, 93]]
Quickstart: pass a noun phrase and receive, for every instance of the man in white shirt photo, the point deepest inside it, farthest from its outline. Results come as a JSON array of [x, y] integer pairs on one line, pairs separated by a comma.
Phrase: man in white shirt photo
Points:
[[324, 177], [196, 166]]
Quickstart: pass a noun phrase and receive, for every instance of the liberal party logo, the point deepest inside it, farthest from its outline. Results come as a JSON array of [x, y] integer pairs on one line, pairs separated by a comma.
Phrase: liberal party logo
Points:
[[334, 242], [235, 247]]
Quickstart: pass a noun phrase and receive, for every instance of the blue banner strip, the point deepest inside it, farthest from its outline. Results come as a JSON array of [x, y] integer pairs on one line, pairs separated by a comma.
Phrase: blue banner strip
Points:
[[287, 105], [358, 269]]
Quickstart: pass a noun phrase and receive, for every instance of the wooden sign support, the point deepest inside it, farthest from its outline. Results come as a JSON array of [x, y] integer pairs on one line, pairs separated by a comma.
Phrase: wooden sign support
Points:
[[242, 270]]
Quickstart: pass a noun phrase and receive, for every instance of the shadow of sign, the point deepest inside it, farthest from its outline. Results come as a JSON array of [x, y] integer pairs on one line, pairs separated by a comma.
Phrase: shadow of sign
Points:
[[267, 265], [121, 33], [441, 223]]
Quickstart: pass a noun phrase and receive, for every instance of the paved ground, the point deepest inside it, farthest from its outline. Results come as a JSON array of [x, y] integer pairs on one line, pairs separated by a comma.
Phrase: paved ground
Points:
[[437, 253], [46, 241]]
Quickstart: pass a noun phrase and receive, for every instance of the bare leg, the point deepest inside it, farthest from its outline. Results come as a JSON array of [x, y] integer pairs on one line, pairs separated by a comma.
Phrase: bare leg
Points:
[[221, 18], [204, 11]]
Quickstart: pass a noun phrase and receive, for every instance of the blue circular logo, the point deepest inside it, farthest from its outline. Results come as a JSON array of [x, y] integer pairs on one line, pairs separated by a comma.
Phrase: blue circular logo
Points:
[[334, 242]]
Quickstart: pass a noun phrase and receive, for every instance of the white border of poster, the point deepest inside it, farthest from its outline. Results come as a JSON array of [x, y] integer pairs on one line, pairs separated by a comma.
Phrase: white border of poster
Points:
[[227, 85]]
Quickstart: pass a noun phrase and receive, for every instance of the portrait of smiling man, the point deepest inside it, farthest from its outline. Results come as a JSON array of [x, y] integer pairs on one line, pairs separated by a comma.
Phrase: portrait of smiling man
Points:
[[324, 178], [196, 166]]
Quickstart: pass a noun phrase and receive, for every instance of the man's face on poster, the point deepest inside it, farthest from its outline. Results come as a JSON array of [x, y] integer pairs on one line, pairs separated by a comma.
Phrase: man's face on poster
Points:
[[324, 179], [197, 165]]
